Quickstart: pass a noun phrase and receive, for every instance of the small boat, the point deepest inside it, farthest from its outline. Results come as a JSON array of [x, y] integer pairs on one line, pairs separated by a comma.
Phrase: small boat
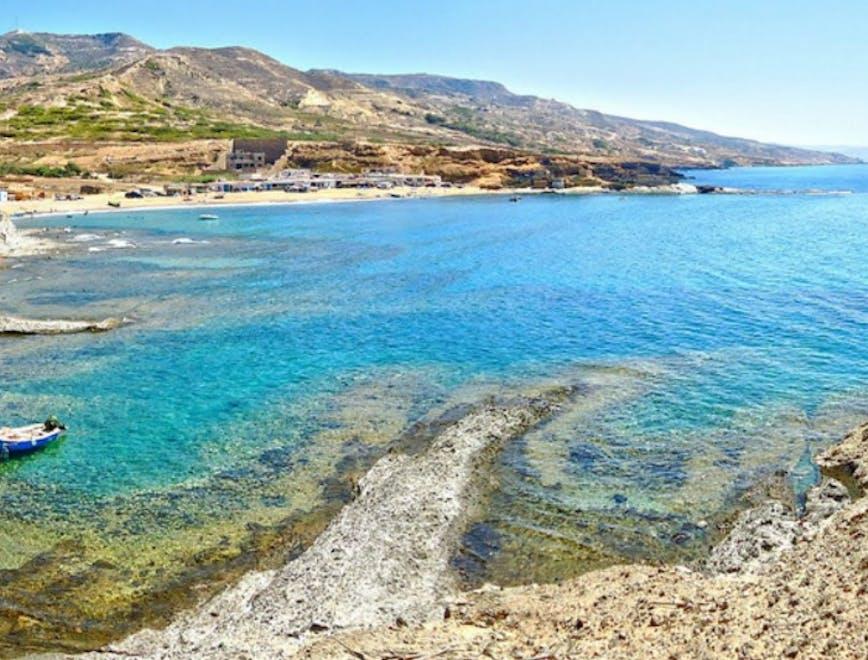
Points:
[[209, 216], [514, 198], [115, 205], [28, 439]]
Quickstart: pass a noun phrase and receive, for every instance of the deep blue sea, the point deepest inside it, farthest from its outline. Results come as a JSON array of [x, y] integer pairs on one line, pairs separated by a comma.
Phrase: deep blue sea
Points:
[[719, 338]]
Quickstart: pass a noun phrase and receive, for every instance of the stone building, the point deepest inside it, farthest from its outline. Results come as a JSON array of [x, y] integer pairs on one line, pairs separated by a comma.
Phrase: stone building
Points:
[[251, 155]]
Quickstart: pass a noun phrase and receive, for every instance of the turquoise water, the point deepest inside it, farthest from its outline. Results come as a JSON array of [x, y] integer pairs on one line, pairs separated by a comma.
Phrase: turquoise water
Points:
[[718, 338], [837, 178]]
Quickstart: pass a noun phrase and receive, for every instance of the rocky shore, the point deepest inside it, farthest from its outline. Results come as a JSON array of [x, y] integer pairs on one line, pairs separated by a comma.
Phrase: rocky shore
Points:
[[779, 586], [13, 325], [378, 584], [17, 243], [383, 560]]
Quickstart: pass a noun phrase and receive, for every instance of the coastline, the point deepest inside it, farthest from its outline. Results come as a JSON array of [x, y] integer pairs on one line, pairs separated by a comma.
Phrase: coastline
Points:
[[100, 203], [26, 210], [16, 242], [797, 590], [378, 580], [472, 618]]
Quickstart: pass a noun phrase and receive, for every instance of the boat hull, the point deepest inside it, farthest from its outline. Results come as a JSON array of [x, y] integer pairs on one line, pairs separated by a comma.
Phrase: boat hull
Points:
[[23, 447]]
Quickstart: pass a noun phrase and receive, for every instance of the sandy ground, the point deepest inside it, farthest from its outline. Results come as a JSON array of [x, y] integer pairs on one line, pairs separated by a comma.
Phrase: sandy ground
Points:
[[101, 202]]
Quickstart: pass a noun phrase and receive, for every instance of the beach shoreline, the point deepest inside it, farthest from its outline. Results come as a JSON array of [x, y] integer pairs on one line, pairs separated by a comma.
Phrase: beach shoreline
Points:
[[23, 210]]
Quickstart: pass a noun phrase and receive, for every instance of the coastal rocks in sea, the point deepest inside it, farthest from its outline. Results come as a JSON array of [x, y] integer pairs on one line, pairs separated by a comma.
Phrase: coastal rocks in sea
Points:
[[759, 535], [17, 243], [762, 534], [848, 460], [114, 244], [9, 236], [85, 238], [12, 325], [188, 241], [384, 559]]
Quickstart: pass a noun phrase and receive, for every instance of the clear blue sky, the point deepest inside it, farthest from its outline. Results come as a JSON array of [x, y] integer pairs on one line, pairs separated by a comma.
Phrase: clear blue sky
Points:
[[793, 72]]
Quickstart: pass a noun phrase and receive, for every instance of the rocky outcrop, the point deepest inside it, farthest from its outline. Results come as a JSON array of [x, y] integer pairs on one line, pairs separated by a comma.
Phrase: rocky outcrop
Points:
[[12, 325], [384, 559], [9, 236], [809, 601], [849, 459], [792, 587], [16, 243], [491, 167], [762, 534]]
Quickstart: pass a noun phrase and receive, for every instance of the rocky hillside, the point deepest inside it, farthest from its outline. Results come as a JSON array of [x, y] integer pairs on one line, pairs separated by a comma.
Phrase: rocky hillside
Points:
[[111, 88], [26, 54], [489, 109]]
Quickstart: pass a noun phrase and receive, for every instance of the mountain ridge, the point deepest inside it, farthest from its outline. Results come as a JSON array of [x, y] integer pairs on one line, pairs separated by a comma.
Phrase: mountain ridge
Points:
[[114, 88]]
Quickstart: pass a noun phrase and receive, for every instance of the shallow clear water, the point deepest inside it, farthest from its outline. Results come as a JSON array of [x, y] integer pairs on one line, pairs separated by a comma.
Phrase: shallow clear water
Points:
[[718, 338]]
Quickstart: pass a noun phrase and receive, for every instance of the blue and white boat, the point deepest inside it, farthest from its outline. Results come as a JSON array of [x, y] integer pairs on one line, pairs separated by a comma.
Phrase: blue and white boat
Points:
[[28, 439]]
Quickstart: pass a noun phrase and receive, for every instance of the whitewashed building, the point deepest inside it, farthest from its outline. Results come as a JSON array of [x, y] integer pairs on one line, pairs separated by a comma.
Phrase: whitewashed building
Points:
[[4, 196]]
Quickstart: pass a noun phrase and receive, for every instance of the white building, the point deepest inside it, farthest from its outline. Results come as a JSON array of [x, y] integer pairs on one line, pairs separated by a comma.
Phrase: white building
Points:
[[4, 196]]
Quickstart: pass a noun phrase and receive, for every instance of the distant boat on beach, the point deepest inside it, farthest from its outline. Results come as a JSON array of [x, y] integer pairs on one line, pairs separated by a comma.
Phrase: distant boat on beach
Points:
[[28, 439], [209, 216]]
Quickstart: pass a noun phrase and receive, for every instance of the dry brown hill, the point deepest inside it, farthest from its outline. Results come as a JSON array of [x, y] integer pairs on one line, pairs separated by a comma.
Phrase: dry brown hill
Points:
[[61, 90]]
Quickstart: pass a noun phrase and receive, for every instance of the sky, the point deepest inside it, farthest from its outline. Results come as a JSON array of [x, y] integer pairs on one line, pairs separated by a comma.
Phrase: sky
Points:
[[793, 72]]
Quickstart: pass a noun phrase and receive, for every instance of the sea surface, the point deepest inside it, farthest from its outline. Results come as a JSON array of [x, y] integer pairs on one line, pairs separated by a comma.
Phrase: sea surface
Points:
[[275, 353]]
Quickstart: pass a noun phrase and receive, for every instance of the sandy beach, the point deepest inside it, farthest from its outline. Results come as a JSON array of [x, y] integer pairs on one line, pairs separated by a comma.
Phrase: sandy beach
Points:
[[92, 203], [100, 202]]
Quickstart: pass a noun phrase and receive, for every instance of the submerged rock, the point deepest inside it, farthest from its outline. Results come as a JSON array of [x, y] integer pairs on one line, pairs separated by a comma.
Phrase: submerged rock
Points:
[[12, 325]]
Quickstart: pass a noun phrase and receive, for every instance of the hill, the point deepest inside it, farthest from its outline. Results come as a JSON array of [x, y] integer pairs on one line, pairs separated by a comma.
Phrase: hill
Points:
[[549, 124], [26, 54], [74, 91]]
